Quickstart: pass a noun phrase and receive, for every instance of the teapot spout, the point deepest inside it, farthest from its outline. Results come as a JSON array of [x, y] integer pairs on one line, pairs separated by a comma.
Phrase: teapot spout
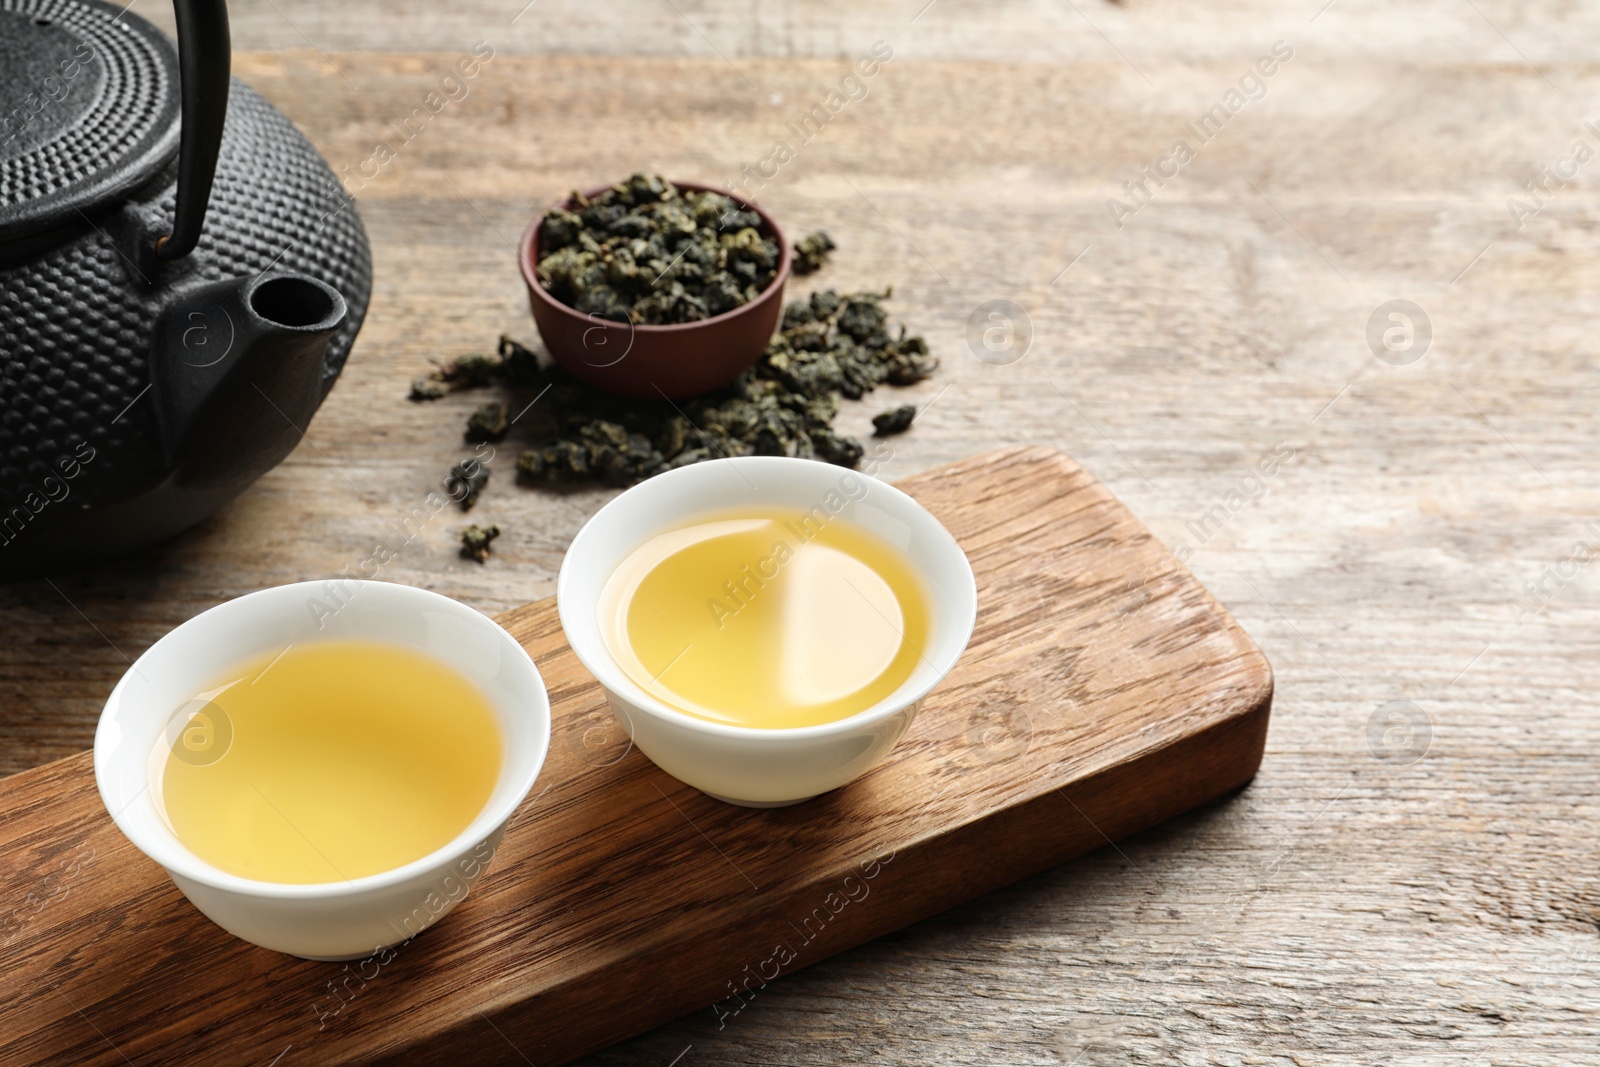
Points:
[[236, 374]]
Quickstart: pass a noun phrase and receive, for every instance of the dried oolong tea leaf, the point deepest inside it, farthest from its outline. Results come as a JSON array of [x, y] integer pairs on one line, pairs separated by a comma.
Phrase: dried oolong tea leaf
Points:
[[601, 450], [465, 481], [518, 363], [834, 343], [836, 448], [464, 372], [812, 252], [511, 363], [468, 372], [488, 423], [829, 345], [647, 252], [475, 541], [895, 421]]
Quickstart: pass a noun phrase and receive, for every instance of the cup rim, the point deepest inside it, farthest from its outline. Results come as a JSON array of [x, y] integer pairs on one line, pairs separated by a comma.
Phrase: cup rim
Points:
[[612, 678], [179, 860], [527, 261]]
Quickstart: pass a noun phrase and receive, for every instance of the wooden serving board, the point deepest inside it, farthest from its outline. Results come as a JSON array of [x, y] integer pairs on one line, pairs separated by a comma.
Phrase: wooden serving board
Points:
[[1104, 691]]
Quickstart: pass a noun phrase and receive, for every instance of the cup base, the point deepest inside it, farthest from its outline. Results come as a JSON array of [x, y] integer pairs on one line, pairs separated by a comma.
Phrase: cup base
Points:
[[339, 959], [758, 803]]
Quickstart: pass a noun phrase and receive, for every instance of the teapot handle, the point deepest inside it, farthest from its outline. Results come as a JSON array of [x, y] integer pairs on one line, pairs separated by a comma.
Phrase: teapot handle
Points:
[[204, 53]]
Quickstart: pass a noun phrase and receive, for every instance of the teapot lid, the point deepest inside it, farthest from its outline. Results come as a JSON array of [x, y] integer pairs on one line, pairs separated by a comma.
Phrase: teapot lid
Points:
[[89, 110]]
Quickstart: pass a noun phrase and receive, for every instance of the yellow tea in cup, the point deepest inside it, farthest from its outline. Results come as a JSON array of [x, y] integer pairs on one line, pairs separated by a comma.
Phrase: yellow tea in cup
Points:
[[328, 761], [766, 618]]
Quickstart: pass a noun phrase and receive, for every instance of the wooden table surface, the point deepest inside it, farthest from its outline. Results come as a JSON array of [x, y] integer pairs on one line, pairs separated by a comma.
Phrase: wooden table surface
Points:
[[1414, 876]]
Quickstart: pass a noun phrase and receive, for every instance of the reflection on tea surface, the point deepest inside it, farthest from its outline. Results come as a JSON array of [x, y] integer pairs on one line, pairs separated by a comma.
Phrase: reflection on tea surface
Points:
[[328, 761], [766, 618]]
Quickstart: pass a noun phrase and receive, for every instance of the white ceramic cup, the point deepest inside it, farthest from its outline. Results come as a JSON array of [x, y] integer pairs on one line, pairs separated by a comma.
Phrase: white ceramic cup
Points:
[[746, 765], [331, 920]]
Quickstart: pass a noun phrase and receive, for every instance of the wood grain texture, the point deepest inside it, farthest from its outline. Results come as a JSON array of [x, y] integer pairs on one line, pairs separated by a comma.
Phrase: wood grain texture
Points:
[[1411, 902], [1104, 691]]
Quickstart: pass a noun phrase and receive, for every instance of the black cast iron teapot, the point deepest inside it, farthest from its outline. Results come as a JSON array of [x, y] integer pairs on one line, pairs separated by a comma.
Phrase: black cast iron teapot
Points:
[[181, 277]]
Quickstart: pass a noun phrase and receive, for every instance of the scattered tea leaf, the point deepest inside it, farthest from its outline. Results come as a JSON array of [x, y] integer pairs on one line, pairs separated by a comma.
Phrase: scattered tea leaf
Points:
[[895, 421], [428, 389], [488, 423], [519, 365], [464, 372], [468, 372], [812, 252], [828, 345], [600, 449], [465, 481], [475, 541]]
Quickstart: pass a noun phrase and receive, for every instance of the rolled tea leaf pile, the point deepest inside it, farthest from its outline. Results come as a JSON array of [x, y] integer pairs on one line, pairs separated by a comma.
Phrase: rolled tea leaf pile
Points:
[[830, 345], [785, 405], [647, 252]]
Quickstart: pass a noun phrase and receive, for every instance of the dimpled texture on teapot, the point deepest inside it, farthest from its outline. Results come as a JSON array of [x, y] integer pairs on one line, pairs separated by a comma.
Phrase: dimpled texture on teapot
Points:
[[87, 120], [76, 322]]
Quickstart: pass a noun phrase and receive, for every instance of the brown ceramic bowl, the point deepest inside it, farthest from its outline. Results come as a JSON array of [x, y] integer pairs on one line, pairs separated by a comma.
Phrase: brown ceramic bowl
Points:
[[684, 359]]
